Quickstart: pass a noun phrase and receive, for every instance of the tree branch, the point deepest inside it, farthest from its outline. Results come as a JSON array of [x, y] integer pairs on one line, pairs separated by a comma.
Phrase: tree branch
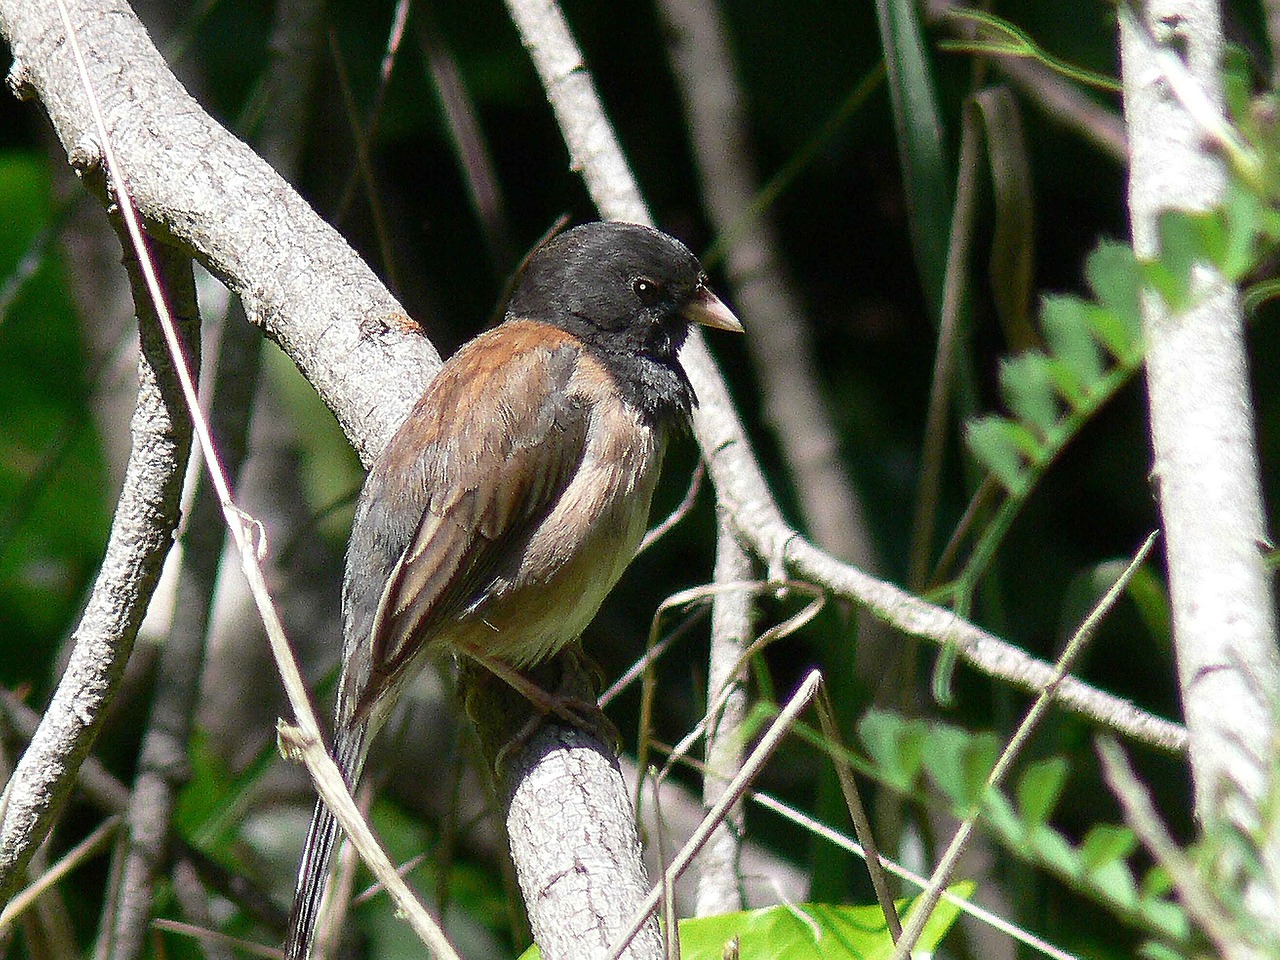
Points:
[[1202, 433], [740, 484], [198, 186], [141, 534]]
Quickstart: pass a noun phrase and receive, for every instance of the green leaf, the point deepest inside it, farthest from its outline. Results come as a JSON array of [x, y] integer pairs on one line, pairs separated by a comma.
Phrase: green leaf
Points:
[[959, 762], [1242, 213], [1072, 340], [806, 931], [926, 172], [998, 444], [1166, 917], [1185, 238], [999, 814], [1115, 881], [895, 745], [1027, 386], [1039, 789], [1106, 842], [1115, 279], [1070, 387], [1052, 847], [1156, 883], [1154, 950]]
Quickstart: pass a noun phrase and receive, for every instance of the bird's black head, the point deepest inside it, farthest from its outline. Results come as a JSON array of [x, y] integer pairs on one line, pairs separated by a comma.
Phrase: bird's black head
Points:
[[629, 292]]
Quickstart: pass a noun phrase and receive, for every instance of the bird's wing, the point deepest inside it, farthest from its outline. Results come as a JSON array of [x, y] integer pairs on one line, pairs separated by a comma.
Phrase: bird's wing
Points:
[[507, 433]]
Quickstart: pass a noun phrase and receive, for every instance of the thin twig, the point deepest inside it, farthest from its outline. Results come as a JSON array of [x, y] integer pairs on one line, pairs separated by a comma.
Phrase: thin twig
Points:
[[780, 727], [305, 737], [857, 813], [925, 903], [701, 594], [679, 513], [199, 933], [1140, 813], [73, 858]]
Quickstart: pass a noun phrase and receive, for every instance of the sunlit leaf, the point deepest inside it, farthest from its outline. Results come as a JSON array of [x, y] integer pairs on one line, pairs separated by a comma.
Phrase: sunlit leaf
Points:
[[895, 744], [959, 762], [806, 931], [1052, 847], [1027, 385], [998, 444], [1072, 339], [1113, 275]]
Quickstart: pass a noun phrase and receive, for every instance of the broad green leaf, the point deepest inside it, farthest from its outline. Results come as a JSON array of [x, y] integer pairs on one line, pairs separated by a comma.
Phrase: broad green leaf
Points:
[[959, 762], [999, 814], [1166, 916], [997, 444], [1039, 789], [1119, 339], [1156, 883], [1115, 881], [1106, 842], [895, 744], [1114, 277], [1072, 339], [806, 931], [1070, 387], [1027, 386], [1242, 217], [1154, 950], [1185, 239]]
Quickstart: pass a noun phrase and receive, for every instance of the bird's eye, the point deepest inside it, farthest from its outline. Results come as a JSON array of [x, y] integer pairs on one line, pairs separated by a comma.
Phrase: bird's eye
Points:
[[646, 290]]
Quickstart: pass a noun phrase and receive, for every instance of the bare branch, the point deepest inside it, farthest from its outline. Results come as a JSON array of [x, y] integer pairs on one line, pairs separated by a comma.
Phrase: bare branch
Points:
[[719, 867], [197, 185], [141, 533], [1202, 432]]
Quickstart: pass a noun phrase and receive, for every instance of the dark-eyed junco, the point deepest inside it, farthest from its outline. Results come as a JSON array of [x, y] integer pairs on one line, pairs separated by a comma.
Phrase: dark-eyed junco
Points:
[[510, 501]]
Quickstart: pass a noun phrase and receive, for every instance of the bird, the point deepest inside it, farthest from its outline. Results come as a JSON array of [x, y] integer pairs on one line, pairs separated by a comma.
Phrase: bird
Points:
[[513, 496]]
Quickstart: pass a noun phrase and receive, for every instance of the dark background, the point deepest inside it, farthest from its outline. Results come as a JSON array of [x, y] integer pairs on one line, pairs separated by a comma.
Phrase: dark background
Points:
[[842, 221]]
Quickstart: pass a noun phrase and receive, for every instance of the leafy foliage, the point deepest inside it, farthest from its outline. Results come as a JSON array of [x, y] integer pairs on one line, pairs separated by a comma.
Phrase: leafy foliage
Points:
[[1092, 348], [957, 762], [805, 931]]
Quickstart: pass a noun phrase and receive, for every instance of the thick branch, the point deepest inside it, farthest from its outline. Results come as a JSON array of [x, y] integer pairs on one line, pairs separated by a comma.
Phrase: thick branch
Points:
[[199, 186], [1202, 433]]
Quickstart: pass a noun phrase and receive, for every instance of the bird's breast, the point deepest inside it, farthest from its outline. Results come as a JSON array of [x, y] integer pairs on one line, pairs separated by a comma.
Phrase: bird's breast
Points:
[[575, 555]]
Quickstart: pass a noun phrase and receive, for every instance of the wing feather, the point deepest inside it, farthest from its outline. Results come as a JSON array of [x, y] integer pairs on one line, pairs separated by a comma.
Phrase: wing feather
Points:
[[486, 454]]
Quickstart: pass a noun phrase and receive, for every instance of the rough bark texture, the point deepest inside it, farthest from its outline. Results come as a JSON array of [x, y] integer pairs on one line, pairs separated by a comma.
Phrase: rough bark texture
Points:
[[141, 534], [200, 187], [577, 853], [1205, 469]]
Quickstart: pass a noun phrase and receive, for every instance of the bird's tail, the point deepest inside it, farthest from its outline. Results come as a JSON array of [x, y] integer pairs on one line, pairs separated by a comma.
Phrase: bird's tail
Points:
[[313, 873]]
